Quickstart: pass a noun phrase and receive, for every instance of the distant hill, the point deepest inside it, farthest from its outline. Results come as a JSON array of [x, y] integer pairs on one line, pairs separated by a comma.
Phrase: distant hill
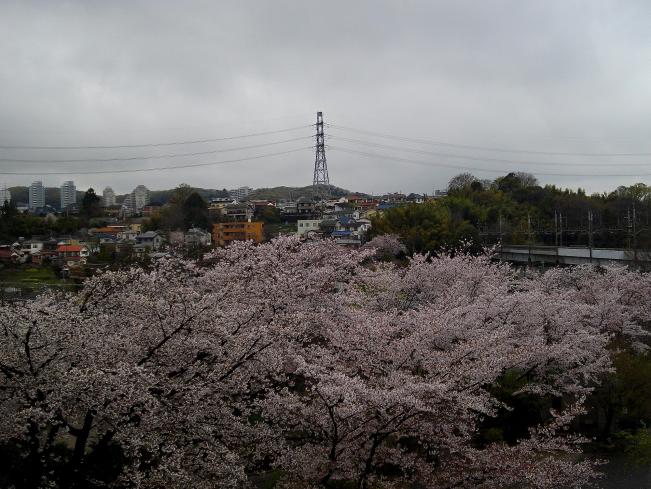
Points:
[[293, 193], [162, 196], [52, 195], [53, 198]]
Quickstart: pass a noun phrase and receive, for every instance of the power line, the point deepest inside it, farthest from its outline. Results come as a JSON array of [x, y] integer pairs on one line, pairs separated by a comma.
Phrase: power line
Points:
[[152, 157], [471, 168], [476, 158], [479, 148], [151, 145], [175, 167]]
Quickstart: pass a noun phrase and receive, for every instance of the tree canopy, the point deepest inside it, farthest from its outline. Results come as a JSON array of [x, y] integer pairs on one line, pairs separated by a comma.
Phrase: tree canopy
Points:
[[515, 209], [91, 205], [185, 209], [307, 360]]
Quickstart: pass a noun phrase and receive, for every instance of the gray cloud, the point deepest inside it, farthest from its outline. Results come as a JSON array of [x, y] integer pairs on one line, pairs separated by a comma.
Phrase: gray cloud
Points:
[[568, 76]]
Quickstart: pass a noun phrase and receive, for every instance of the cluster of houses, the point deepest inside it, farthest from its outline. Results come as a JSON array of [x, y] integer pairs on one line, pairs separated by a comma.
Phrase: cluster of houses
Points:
[[129, 237], [345, 228], [65, 253], [72, 252], [347, 220]]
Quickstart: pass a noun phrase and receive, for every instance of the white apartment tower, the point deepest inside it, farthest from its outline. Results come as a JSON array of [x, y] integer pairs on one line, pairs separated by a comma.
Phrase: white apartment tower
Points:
[[36, 195], [239, 193], [136, 200], [140, 197], [108, 197], [5, 195], [68, 194]]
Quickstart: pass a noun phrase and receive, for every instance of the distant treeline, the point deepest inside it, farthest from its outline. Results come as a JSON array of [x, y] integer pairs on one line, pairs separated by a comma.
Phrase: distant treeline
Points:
[[292, 193], [52, 194], [516, 209]]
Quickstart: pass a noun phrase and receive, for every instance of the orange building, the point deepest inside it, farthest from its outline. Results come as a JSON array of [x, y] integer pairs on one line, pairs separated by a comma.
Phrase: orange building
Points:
[[225, 232]]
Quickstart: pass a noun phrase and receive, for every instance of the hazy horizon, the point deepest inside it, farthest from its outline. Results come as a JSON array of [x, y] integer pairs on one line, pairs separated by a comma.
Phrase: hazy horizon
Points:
[[553, 77]]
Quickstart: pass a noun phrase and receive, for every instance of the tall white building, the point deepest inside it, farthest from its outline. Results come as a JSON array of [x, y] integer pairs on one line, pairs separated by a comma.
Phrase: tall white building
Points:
[[36, 195], [108, 197], [239, 193], [5, 195], [136, 200], [140, 197], [68, 194]]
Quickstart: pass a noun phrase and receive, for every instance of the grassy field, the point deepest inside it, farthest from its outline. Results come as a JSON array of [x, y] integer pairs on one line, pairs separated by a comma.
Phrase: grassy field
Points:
[[32, 279]]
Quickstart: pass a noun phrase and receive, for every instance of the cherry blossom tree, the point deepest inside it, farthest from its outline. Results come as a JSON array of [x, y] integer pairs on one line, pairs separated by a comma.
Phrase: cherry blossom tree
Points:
[[310, 360], [386, 246]]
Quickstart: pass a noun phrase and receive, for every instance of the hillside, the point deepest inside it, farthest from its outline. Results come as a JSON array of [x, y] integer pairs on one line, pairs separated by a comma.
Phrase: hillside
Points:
[[162, 196], [290, 193], [52, 195]]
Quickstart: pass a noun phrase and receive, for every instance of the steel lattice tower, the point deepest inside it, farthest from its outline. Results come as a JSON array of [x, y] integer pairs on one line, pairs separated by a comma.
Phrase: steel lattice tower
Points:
[[321, 182]]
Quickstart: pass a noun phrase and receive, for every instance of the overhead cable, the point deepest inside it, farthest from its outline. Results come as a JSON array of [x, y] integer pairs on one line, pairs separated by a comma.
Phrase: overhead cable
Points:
[[151, 145], [175, 167], [472, 168], [481, 148], [153, 157], [476, 158]]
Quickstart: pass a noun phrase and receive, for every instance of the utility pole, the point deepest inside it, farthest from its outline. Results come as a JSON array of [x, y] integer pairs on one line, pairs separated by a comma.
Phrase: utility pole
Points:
[[529, 235], [634, 237], [590, 238], [628, 228], [556, 234], [560, 229], [321, 181]]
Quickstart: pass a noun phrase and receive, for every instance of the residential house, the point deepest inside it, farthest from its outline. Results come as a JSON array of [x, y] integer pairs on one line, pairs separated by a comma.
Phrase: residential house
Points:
[[150, 240], [221, 200], [259, 205], [194, 237], [305, 207], [350, 231], [12, 254], [304, 226], [105, 238], [127, 235], [32, 247], [362, 203], [238, 212], [72, 255]]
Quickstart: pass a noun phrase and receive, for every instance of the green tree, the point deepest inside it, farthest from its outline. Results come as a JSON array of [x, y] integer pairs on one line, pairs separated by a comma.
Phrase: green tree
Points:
[[269, 215], [181, 194], [422, 228], [462, 183], [624, 396], [90, 205], [195, 212]]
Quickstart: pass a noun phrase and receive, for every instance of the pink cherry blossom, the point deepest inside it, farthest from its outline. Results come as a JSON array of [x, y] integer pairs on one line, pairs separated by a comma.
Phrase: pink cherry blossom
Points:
[[312, 360]]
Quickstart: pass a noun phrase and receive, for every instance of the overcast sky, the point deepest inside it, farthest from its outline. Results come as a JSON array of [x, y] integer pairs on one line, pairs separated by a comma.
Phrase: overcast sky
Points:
[[544, 76]]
